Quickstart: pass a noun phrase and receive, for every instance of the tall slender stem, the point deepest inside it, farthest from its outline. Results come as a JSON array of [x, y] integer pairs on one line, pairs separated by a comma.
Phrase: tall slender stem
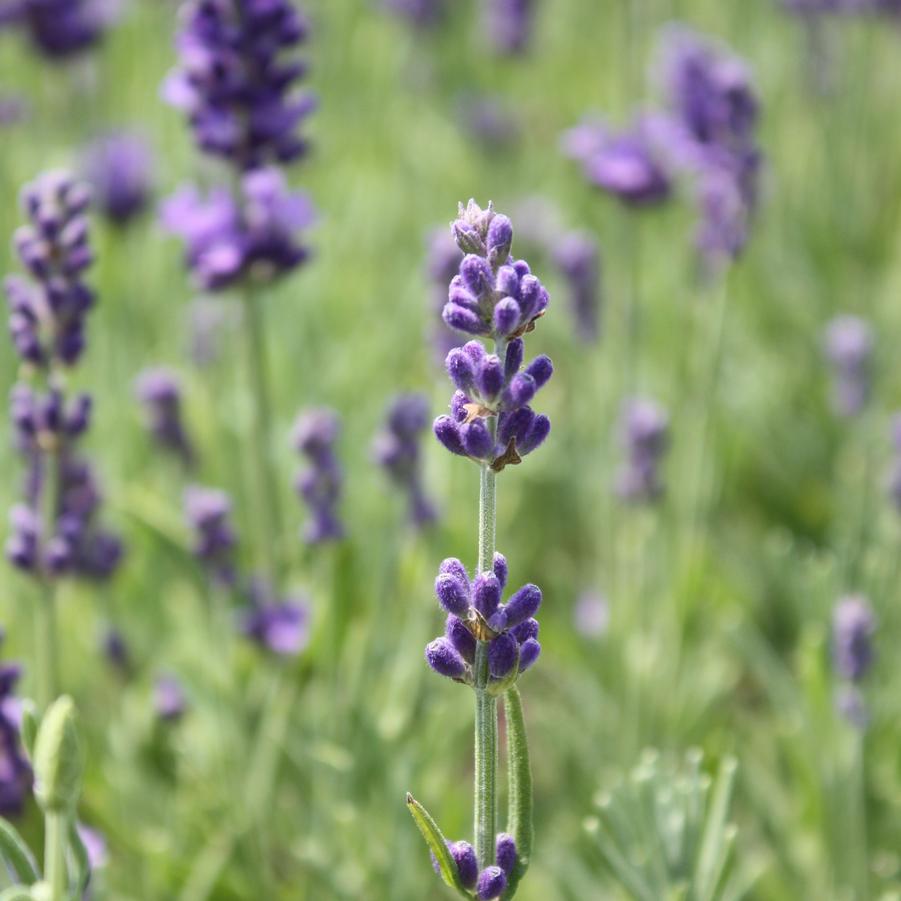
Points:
[[267, 507], [485, 806], [55, 829], [46, 642]]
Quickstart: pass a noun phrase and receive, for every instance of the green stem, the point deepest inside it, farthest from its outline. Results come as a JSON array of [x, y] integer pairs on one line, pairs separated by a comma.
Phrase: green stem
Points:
[[55, 831], [268, 506], [519, 793]]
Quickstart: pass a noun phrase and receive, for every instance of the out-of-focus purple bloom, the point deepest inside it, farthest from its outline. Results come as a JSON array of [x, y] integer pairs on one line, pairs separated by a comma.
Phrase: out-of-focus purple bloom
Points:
[[160, 394], [227, 241], [237, 77], [474, 605], [12, 109], [208, 512], [850, 703], [47, 311], [420, 13], [714, 111], [853, 626], [319, 484], [644, 433], [508, 24], [629, 165], [442, 263], [15, 771], [169, 700], [278, 625], [579, 260], [397, 448], [591, 615], [848, 344], [119, 168], [115, 649], [60, 29], [488, 121]]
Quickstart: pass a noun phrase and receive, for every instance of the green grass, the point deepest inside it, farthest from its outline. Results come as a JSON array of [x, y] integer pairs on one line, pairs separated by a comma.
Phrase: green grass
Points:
[[718, 635]]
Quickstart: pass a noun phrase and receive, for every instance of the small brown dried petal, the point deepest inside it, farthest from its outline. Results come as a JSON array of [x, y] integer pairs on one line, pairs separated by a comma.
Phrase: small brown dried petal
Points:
[[476, 411], [478, 626], [508, 458], [528, 327]]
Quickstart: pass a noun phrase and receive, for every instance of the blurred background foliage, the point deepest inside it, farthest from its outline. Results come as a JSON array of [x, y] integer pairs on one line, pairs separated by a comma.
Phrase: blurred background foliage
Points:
[[719, 599]]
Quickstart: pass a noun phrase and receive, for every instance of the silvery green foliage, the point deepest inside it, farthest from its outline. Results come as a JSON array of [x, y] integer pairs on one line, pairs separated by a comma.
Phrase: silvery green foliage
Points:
[[663, 834]]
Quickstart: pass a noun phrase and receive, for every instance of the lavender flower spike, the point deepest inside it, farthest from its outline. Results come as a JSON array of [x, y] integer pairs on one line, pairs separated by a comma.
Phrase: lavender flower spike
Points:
[[579, 261], [119, 168], [853, 626], [397, 449], [62, 29], [849, 348], [280, 626], [645, 437], [237, 78], [509, 24], [319, 485], [159, 392], [208, 511], [15, 771]]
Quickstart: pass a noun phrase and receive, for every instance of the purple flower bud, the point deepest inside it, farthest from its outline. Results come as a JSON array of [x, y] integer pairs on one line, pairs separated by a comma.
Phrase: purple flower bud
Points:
[[505, 852], [507, 317], [455, 567], [507, 281], [477, 275], [467, 866], [460, 368], [525, 630], [486, 593], [443, 657], [519, 392], [502, 653], [523, 605], [528, 653], [280, 627], [461, 638], [513, 358], [452, 594], [476, 439], [534, 438], [853, 625], [448, 434], [490, 378], [515, 424], [468, 238], [320, 483], [491, 884], [500, 568], [463, 320], [500, 239], [541, 369]]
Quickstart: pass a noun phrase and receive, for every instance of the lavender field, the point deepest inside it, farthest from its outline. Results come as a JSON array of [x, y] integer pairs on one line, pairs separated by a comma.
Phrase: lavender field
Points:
[[623, 431]]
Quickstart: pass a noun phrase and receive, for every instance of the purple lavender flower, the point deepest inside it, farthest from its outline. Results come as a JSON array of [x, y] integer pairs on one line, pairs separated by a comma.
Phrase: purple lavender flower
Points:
[[578, 259], [208, 512], [419, 13], [47, 311], [853, 626], [160, 394], [630, 165], [319, 485], [464, 856], [644, 432], [491, 884], [474, 606], [278, 625], [397, 449], [119, 168], [237, 78], [849, 348], [115, 649], [715, 111], [169, 700], [509, 24], [60, 29], [227, 241], [15, 771]]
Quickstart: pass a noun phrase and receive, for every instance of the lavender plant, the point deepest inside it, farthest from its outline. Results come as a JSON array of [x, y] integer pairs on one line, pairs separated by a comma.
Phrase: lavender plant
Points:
[[159, 392], [579, 260], [60, 29], [853, 626], [509, 24], [397, 448], [489, 644], [15, 770], [54, 530], [848, 344], [319, 484], [644, 433], [120, 169]]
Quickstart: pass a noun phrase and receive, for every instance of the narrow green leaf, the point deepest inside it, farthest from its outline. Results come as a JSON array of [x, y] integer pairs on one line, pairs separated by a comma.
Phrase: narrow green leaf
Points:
[[714, 848], [16, 893], [16, 854], [437, 844], [519, 793], [82, 863]]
